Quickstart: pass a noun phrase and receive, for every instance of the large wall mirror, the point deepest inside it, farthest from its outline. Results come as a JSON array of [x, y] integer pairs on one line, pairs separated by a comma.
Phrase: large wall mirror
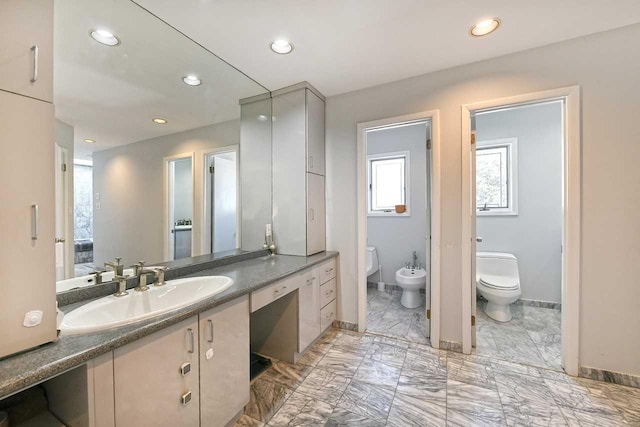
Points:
[[151, 141]]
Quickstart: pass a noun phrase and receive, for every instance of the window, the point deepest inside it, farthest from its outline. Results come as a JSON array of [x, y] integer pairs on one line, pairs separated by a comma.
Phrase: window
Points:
[[388, 176], [496, 177]]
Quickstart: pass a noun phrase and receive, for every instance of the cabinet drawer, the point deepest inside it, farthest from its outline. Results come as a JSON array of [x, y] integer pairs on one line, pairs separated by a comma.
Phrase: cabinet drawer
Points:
[[327, 292], [266, 296], [328, 315], [327, 271]]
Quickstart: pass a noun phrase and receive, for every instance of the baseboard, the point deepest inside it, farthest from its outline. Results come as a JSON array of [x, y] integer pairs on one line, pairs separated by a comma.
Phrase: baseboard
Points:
[[541, 304], [349, 326], [451, 346], [609, 376], [390, 286]]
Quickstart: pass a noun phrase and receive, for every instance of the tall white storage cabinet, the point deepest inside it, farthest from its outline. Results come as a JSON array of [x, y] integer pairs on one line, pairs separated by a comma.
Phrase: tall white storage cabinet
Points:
[[298, 170], [27, 216]]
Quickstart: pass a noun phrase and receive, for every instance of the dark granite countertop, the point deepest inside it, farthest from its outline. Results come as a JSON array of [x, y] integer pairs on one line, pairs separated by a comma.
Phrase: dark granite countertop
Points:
[[34, 366]]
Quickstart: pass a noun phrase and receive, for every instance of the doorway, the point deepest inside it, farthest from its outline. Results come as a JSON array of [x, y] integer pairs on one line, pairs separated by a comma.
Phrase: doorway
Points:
[[521, 188], [222, 199], [179, 183], [62, 240], [398, 195]]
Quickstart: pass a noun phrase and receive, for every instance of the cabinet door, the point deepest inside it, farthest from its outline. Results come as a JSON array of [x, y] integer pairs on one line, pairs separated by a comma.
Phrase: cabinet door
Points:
[[224, 367], [308, 310], [27, 48], [315, 214], [148, 383], [315, 134], [27, 264]]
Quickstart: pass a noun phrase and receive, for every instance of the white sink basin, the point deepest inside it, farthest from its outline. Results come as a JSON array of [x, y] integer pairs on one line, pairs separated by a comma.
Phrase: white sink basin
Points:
[[110, 312], [90, 279]]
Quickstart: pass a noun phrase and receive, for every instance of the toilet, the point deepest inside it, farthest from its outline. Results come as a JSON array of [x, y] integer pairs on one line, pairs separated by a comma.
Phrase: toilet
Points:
[[498, 281], [372, 260]]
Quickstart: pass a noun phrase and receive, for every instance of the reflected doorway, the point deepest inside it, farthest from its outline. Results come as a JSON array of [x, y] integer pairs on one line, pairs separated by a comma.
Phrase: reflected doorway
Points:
[[179, 195]]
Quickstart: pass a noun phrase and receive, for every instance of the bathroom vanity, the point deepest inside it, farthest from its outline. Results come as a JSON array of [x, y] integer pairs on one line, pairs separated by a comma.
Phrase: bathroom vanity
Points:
[[189, 367]]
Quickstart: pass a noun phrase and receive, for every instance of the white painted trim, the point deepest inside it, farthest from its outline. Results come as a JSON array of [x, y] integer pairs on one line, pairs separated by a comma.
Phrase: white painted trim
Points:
[[206, 192], [572, 193], [166, 204], [434, 246]]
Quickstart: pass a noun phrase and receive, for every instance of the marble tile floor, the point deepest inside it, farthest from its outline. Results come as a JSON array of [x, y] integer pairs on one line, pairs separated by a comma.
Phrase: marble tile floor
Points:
[[387, 316], [352, 379], [532, 337]]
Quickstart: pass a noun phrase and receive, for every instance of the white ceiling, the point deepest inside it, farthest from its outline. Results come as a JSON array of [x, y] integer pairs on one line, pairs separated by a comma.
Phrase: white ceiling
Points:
[[110, 94], [344, 45]]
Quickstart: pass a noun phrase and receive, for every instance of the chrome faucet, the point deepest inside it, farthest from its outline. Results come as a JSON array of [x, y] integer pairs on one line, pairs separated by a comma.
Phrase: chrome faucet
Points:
[[141, 273], [117, 266], [122, 286], [159, 275], [98, 276], [415, 260]]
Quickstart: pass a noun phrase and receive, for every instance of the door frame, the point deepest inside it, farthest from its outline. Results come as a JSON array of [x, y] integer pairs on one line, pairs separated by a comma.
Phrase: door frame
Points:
[[205, 240], [433, 247], [571, 230], [66, 176], [167, 204]]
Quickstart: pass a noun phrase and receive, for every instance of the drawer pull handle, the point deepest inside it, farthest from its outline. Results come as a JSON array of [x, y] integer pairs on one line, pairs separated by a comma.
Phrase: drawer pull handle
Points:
[[35, 222], [328, 270], [36, 52], [210, 322], [329, 292], [277, 291], [192, 346]]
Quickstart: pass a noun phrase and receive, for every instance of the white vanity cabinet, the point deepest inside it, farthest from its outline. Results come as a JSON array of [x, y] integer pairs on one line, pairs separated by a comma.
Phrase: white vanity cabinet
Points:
[[224, 362], [26, 54], [156, 378], [298, 170], [308, 310], [27, 224]]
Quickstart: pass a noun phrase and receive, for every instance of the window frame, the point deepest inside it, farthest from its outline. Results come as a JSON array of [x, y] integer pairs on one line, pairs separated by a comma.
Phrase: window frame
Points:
[[512, 176], [407, 178]]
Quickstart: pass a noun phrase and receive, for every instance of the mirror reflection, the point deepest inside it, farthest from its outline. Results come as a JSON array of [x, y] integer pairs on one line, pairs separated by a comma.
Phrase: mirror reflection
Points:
[[150, 140]]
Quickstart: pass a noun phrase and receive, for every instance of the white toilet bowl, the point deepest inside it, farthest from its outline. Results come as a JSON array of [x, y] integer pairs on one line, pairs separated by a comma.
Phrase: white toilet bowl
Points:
[[498, 281], [411, 280]]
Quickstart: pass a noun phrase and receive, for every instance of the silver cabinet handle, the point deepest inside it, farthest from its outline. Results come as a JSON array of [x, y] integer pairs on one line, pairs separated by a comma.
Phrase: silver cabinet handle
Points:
[[310, 281], [35, 222], [191, 340], [210, 322], [479, 239], [60, 239], [328, 270], [36, 52]]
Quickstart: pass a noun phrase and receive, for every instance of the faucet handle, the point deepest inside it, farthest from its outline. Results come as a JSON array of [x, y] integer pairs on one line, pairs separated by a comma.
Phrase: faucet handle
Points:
[[118, 259], [122, 286]]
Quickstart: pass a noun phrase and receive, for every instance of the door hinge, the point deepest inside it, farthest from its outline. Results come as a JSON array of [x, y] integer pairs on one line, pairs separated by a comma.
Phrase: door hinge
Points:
[[473, 138], [212, 169], [473, 320], [429, 314], [428, 144], [63, 167]]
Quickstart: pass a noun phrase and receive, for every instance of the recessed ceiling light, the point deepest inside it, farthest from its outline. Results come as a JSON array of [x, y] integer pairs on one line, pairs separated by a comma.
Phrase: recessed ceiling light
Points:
[[89, 141], [192, 80], [262, 118], [104, 37], [159, 121], [485, 27], [282, 47]]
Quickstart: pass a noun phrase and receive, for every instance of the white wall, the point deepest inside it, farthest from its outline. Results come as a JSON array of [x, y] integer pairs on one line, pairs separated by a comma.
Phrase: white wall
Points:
[[606, 66], [535, 234], [396, 237], [225, 202], [130, 182]]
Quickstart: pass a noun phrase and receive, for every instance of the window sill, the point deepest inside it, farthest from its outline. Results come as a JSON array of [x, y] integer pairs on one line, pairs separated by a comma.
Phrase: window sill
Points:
[[497, 212], [391, 214]]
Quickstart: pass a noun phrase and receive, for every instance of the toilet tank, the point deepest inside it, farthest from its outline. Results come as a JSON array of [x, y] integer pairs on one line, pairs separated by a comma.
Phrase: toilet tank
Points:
[[497, 264], [372, 260]]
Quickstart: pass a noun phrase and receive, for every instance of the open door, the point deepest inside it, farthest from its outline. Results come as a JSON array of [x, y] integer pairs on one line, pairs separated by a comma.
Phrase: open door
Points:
[[474, 238], [61, 217]]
